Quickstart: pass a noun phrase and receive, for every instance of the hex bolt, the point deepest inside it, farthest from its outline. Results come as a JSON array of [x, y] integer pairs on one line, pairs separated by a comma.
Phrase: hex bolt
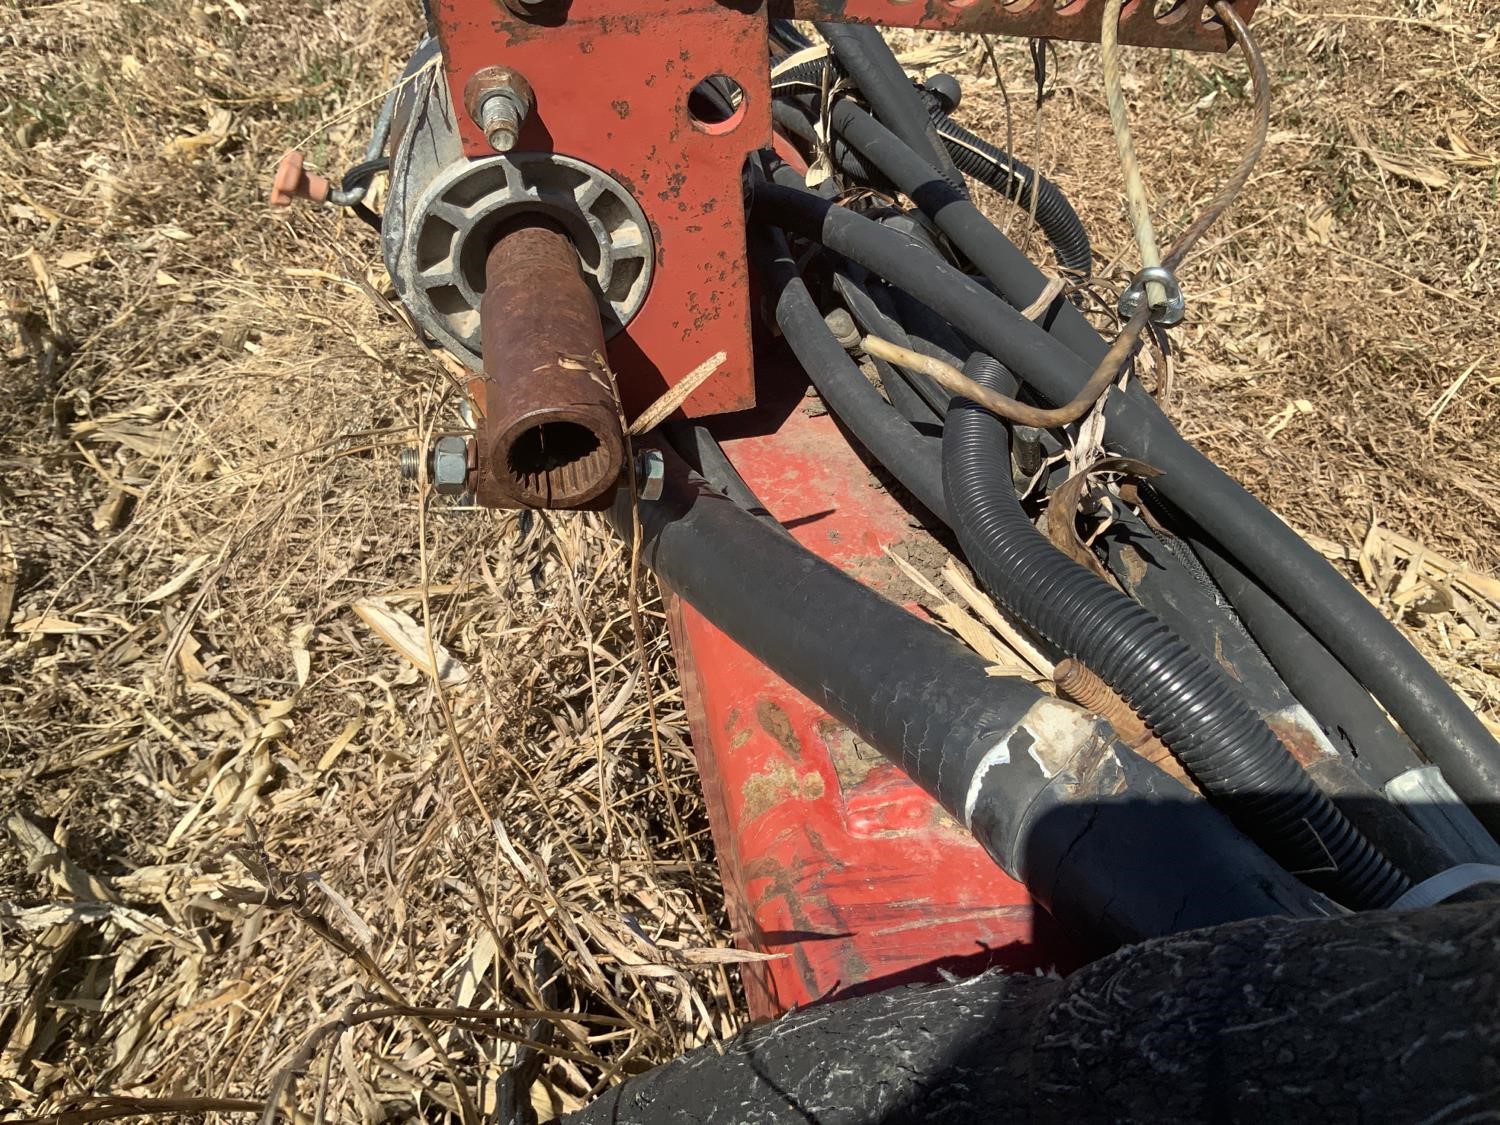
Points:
[[499, 100], [650, 474]]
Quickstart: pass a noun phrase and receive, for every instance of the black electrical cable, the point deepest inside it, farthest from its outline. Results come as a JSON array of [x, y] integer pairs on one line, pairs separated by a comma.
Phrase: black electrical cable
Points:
[[867, 58], [1186, 699], [361, 173], [875, 424], [787, 37], [1056, 364]]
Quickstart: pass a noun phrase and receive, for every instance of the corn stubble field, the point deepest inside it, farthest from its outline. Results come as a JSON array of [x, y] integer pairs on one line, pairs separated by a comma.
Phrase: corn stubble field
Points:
[[243, 799]]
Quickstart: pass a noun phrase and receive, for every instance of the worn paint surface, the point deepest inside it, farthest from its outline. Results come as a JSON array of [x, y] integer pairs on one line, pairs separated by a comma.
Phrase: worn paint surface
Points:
[[1190, 26], [829, 853], [611, 84]]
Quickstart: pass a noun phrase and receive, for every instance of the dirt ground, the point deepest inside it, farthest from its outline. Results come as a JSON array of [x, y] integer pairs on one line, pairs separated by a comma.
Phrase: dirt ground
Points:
[[243, 793]]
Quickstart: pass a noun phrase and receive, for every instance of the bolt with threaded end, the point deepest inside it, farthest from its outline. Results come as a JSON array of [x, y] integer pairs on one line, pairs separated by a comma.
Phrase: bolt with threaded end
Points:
[[501, 116]]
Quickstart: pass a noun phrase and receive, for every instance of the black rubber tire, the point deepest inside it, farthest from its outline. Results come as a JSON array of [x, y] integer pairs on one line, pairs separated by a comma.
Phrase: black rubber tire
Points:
[[1370, 1017]]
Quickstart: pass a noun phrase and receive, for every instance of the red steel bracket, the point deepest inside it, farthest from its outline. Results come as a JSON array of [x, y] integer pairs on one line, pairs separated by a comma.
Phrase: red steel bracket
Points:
[[611, 80], [1189, 26]]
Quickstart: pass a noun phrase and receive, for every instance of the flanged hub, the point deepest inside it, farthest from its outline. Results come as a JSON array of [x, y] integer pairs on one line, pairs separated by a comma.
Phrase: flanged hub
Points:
[[469, 204]]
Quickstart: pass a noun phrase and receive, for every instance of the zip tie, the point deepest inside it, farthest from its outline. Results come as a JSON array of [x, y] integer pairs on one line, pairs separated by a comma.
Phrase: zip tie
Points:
[[1445, 884]]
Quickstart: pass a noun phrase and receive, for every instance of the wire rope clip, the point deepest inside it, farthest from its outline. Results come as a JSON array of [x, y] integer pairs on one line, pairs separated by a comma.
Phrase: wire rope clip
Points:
[[1168, 312]]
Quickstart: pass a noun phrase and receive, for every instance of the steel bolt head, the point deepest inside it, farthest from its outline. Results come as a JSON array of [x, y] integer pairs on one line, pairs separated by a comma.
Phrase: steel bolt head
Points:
[[448, 465], [650, 474]]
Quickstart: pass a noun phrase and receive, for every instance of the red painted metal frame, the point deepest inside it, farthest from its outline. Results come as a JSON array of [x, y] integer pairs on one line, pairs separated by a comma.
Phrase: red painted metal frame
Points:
[[1190, 26], [829, 853], [611, 83]]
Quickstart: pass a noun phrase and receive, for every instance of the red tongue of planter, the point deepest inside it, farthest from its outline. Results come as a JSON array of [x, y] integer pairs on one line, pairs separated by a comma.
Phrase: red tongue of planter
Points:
[[829, 854]]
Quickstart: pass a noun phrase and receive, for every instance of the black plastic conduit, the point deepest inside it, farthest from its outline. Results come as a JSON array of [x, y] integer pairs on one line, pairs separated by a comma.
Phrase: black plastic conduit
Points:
[[1185, 698], [1018, 181], [1056, 362]]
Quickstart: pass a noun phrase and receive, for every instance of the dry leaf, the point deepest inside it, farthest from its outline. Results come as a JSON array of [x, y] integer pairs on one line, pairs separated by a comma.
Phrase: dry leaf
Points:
[[75, 258], [403, 634], [1405, 166], [167, 589], [215, 134]]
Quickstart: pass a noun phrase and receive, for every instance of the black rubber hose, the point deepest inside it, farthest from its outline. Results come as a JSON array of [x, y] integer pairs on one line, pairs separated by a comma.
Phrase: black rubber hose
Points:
[[1021, 183], [867, 58], [871, 318], [1104, 840], [975, 236], [1344, 709], [910, 456], [1056, 362], [1185, 698], [792, 118]]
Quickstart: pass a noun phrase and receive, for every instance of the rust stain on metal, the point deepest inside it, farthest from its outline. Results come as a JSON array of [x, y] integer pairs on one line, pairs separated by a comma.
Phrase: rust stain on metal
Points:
[[1190, 26], [764, 791], [1077, 682], [1299, 733], [854, 759], [774, 721], [549, 434]]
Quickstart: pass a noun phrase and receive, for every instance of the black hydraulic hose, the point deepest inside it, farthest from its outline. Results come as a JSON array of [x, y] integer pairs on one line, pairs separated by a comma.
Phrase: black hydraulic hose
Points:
[[1184, 696], [1341, 706], [786, 35], [792, 118], [1018, 181], [871, 318], [867, 58], [1100, 837], [972, 233], [1056, 362], [910, 456]]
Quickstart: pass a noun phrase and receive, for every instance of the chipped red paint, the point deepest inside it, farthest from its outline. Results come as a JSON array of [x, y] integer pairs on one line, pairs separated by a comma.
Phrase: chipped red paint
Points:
[[1190, 26], [611, 82], [829, 854]]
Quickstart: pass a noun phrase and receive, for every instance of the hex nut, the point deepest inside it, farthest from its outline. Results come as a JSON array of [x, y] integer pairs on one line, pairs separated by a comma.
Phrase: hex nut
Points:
[[448, 466]]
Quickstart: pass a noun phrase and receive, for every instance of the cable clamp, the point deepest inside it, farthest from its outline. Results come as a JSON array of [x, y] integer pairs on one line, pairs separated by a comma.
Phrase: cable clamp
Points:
[[1168, 312]]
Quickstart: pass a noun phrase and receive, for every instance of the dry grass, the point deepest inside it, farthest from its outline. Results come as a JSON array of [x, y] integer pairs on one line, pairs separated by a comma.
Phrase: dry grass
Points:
[[202, 708], [236, 810]]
